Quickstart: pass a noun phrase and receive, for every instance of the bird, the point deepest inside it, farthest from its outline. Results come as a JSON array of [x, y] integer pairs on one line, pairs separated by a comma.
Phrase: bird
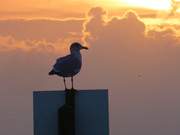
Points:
[[69, 65]]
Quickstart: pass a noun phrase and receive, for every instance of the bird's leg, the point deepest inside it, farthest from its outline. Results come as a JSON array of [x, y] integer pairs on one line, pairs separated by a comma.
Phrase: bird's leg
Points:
[[72, 82], [64, 83]]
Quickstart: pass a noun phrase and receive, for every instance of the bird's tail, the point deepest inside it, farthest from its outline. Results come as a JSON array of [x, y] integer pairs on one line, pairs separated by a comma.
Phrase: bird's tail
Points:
[[52, 72]]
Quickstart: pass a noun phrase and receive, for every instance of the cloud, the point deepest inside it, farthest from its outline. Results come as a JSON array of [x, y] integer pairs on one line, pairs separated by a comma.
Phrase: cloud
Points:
[[175, 5], [39, 35], [164, 36], [61, 45], [122, 49], [127, 26], [49, 30], [120, 29]]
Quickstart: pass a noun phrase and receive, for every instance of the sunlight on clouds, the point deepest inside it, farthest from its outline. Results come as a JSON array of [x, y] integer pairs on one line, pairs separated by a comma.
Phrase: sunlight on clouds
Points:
[[56, 35], [60, 46], [77, 8], [160, 21], [130, 24], [152, 4]]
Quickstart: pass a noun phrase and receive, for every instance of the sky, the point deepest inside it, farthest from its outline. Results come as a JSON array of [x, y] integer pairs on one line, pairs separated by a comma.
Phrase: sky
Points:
[[76, 8], [134, 52]]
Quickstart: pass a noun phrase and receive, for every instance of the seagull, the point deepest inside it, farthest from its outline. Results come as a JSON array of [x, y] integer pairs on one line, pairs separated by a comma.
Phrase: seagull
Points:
[[70, 65]]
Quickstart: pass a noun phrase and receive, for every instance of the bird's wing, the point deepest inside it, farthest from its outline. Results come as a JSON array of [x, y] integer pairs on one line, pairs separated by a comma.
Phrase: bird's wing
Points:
[[63, 59], [61, 62], [67, 63]]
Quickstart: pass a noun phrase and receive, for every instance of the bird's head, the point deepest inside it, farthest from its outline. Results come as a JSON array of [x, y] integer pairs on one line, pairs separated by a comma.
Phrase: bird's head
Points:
[[77, 47]]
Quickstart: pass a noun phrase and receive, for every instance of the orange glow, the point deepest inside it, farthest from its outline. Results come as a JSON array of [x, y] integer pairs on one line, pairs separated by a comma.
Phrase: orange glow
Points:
[[151, 4], [56, 9]]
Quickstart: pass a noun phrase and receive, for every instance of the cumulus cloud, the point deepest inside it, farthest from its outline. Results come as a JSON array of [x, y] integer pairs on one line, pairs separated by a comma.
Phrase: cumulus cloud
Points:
[[127, 26], [128, 39], [139, 64]]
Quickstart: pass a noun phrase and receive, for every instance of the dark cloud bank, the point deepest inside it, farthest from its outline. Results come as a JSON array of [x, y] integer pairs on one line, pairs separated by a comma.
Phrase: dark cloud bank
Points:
[[140, 66]]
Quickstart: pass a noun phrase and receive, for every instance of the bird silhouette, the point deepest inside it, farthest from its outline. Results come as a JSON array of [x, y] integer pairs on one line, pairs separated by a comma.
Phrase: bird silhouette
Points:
[[70, 65]]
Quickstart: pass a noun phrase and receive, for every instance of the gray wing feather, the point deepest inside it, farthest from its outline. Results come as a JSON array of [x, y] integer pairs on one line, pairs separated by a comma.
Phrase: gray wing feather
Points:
[[67, 65]]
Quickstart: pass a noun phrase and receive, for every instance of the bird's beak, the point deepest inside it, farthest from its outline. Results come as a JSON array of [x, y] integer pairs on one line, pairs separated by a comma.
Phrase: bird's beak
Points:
[[84, 47]]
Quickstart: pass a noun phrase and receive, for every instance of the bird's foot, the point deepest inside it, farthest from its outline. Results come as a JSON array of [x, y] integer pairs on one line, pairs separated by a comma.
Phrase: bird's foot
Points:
[[74, 90], [66, 89]]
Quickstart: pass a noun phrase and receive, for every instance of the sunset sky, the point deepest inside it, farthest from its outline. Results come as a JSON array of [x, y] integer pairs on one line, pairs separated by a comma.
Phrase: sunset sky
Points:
[[75, 8], [134, 52]]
